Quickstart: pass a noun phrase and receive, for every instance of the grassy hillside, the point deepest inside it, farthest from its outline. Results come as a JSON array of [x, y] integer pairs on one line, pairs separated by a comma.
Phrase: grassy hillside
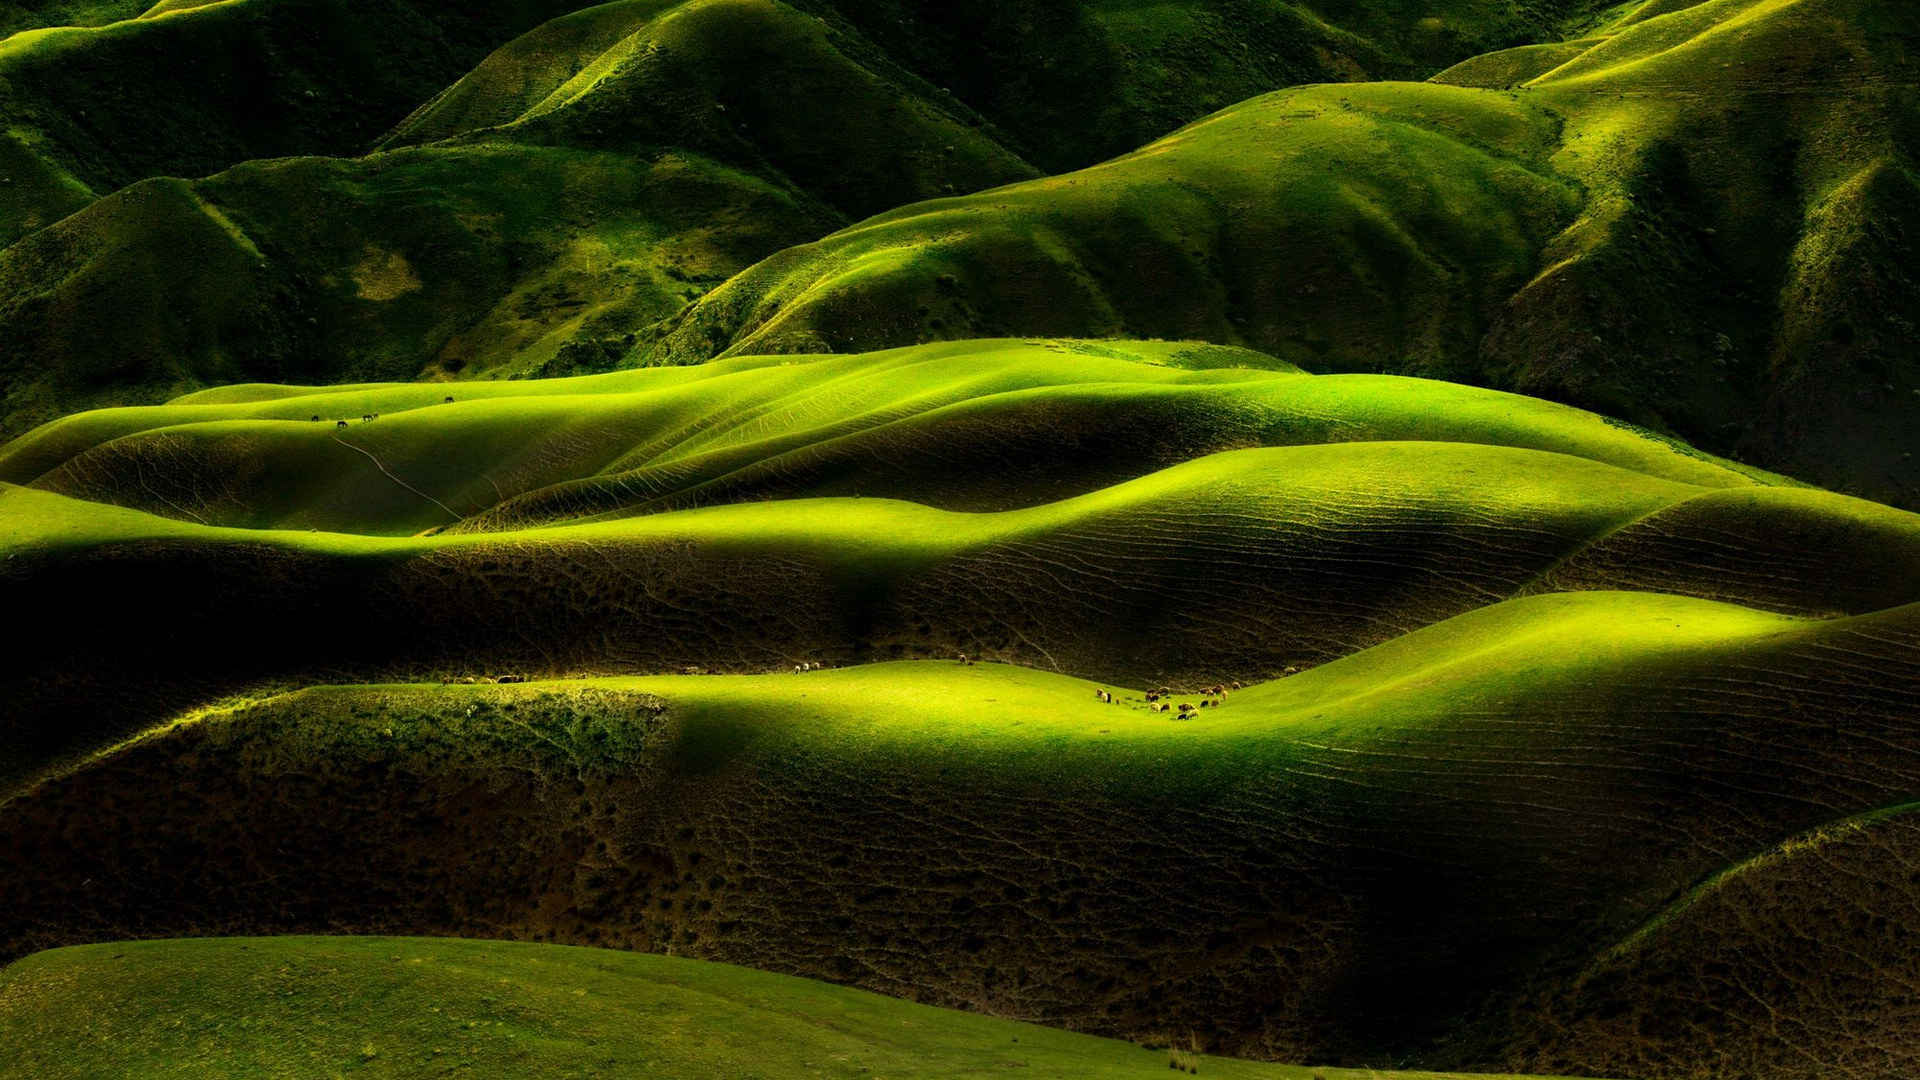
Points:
[[1515, 680], [1695, 222], [1108, 511], [412, 1007], [1805, 952], [215, 84], [1090, 513], [1237, 228], [1334, 865], [423, 263], [531, 251], [965, 426]]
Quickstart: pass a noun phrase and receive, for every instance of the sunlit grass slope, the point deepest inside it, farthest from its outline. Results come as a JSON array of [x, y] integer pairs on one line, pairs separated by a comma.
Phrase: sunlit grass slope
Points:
[[1147, 511], [412, 1007], [1339, 863], [1235, 565], [1346, 227], [1693, 220], [967, 426], [575, 186]]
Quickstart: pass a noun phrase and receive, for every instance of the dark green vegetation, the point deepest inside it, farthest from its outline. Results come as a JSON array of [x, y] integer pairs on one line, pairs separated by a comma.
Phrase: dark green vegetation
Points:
[[328, 1006], [443, 441]]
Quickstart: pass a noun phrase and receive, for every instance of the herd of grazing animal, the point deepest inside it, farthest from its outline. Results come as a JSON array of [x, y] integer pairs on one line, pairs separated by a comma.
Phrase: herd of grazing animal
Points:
[[1212, 697], [365, 418]]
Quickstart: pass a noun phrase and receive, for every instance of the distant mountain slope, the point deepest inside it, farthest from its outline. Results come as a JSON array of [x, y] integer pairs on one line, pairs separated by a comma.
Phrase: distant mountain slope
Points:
[[1697, 222], [18, 15], [420, 262], [842, 109], [197, 88]]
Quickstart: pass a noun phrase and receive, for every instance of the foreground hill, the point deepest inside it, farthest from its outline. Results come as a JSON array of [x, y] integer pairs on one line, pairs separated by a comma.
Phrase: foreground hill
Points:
[[409, 1007], [1346, 863], [1514, 680], [1828, 920]]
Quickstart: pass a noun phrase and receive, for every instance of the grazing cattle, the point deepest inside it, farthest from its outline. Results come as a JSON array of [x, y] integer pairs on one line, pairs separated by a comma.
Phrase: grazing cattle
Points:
[[339, 423], [314, 420], [449, 399], [511, 679]]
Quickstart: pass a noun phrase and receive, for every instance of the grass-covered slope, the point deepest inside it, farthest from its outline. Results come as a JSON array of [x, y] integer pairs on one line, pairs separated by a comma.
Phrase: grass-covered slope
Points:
[[1103, 510], [1696, 221], [962, 426], [534, 250], [418, 263], [1804, 953], [1515, 679], [194, 88], [1342, 227], [412, 1007], [1342, 863], [755, 83]]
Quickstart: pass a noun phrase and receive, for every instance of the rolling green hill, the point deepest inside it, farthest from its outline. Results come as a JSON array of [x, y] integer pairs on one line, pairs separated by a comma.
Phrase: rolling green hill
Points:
[[1103, 510], [966, 426], [1691, 217], [1476, 807], [577, 185], [412, 1007], [1144, 519], [1696, 222], [1515, 679]]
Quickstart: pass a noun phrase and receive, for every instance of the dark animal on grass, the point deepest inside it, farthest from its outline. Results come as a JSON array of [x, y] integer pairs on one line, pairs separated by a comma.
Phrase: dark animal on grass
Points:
[[339, 423]]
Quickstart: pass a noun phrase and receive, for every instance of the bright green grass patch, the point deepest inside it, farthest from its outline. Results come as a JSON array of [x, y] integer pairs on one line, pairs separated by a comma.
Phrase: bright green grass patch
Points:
[[939, 424], [246, 1007], [1012, 721], [1302, 483]]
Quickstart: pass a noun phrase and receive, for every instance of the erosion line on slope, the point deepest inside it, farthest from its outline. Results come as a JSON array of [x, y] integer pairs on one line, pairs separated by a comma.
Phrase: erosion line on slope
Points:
[[388, 473]]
